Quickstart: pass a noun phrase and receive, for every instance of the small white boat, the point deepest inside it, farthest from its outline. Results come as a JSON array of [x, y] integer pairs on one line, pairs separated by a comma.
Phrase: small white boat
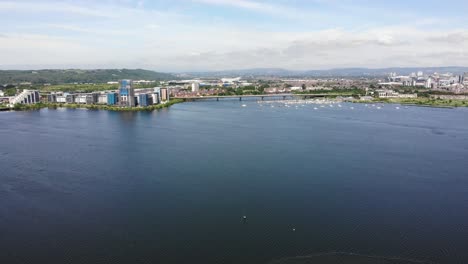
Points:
[[244, 105], [315, 108]]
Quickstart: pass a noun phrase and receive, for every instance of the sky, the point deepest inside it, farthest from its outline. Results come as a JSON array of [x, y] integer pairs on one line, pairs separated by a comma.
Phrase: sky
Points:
[[210, 35]]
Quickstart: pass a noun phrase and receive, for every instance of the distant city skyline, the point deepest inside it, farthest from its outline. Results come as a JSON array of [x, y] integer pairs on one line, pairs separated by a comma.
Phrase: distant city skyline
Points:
[[211, 35]]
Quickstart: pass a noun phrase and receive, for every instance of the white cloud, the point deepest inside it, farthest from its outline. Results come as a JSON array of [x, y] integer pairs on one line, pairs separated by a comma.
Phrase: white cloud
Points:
[[165, 40], [267, 8], [57, 7]]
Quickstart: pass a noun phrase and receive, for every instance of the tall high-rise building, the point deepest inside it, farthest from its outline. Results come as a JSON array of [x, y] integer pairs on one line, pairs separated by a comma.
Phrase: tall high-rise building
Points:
[[195, 87], [164, 94], [143, 100], [112, 98], [156, 98], [127, 93]]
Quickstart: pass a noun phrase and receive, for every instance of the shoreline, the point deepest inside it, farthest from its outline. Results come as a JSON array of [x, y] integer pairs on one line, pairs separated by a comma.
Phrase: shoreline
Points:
[[39, 106], [422, 102]]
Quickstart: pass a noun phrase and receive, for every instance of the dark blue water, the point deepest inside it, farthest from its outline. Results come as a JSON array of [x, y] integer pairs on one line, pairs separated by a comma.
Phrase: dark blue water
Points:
[[171, 186]]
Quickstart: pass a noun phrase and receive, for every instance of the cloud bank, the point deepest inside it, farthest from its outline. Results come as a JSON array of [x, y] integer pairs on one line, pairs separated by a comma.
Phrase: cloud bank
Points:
[[169, 38]]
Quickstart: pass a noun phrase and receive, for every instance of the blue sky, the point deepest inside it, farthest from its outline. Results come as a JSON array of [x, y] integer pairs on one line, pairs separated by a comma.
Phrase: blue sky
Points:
[[188, 35]]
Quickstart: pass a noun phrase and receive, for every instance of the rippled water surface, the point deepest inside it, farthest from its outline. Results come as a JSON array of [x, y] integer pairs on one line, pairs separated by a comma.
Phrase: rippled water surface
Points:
[[172, 186]]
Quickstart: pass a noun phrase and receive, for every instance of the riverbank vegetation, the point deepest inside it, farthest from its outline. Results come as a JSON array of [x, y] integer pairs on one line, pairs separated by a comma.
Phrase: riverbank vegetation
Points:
[[424, 101], [20, 107]]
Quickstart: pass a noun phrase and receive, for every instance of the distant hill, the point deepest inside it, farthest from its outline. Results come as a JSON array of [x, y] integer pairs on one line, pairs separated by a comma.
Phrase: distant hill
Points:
[[79, 76], [345, 72]]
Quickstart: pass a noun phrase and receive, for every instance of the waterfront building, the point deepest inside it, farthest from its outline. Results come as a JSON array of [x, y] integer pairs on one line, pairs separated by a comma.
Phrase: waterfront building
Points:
[[155, 98], [52, 98], [102, 99], [80, 99], [195, 87], [144, 100], [164, 94], [26, 97], [70, 98], [127, 93], [61, 99], [387, 94], [112, 98], [92, 98]]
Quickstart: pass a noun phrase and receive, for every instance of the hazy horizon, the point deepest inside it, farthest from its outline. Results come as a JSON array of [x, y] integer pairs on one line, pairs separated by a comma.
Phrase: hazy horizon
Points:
[[26, 68], [212, 35]]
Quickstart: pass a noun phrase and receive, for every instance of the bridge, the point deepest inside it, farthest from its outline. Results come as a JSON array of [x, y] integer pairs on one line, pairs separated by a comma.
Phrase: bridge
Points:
[[260, 96]]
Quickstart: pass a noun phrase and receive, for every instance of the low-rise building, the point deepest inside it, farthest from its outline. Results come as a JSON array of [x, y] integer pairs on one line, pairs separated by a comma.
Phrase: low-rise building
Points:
[[102, 99], [70, 98], [52, 98], [26, 97], [387, 94], [61, 99]]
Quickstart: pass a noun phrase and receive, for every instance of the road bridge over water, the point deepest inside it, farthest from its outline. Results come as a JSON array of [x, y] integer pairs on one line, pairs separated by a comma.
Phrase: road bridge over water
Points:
[[259, 97]]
